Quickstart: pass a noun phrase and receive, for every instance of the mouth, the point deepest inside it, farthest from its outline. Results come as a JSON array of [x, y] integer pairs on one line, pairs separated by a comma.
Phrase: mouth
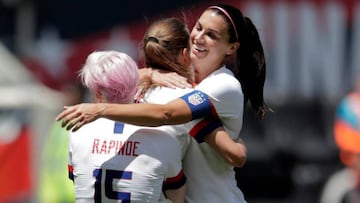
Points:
[[197, 50]]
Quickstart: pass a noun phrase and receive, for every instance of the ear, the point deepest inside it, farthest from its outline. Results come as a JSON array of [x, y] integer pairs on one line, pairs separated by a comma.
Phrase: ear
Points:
[[97, 97], [184, 56], [232, 48]]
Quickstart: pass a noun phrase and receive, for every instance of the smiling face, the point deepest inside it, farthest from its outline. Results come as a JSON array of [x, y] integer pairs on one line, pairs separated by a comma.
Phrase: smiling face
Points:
[[210, 44]]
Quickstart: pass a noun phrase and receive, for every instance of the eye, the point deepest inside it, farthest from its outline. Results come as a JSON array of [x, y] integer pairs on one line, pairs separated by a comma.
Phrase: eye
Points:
[[198, 27], [212, 35]]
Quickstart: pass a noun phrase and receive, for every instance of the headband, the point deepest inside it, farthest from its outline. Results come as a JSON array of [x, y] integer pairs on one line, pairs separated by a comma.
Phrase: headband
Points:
[[229, 17]]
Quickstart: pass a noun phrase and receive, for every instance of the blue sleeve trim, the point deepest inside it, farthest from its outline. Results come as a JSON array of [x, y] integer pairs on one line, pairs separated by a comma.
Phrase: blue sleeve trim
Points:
[[118, 128], [174, 185], [71, 176], [175, 182], [204, 128]]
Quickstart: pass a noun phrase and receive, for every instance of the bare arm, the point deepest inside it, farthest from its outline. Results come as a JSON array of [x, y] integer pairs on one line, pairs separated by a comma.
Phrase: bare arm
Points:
[[233, 152], [174, 112], [74, 117], [163, 78], [176, 196]]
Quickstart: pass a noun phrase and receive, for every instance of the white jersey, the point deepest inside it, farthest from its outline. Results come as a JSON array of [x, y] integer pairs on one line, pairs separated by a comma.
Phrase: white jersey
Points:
[[163, 95], [113, 162], [209, 177]]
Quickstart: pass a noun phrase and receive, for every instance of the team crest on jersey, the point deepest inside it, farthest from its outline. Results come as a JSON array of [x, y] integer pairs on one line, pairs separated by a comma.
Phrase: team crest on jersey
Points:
[[196, 98]]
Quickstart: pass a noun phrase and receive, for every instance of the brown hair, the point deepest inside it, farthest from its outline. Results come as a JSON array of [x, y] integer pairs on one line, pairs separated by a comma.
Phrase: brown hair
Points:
[[163, 42]]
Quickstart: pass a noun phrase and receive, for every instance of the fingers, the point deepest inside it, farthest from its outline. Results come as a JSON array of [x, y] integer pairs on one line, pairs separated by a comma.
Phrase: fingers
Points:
[[74, 122], [182, 84], [176, 81], [180, 81], [78, 126], [65, 112], [171, 80], [69, 117]]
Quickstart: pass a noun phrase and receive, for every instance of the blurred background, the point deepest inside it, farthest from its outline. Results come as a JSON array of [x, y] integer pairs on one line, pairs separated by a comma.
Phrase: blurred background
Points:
[[312, 50]]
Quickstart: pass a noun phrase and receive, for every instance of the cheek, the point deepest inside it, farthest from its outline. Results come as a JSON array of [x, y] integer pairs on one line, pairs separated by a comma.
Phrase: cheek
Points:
[[219, 50], [192, 36]]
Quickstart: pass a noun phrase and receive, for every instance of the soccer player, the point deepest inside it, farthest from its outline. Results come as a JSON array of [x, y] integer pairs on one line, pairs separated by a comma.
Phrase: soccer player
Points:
[[115, 162], [221, 31], [344, 185]]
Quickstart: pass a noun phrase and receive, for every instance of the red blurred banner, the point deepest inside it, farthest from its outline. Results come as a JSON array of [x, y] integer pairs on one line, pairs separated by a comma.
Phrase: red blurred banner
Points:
[[15, 168]]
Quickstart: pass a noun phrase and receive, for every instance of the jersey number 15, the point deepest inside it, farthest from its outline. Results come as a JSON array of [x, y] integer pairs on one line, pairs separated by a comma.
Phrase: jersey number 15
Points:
[[109, 192]]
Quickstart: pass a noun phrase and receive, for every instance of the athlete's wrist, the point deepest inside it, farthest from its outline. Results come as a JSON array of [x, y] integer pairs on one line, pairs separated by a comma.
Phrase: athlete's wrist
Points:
[[100, 110]]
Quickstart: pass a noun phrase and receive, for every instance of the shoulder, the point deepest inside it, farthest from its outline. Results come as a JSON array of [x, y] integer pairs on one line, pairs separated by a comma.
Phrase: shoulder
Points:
[[164, 133], [223, 75], [94, 127], [152, 131], [221, 91], [220, 82]]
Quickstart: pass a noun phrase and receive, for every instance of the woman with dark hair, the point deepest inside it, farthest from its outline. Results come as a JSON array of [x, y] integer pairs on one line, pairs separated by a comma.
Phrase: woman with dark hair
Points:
[[221, 31]]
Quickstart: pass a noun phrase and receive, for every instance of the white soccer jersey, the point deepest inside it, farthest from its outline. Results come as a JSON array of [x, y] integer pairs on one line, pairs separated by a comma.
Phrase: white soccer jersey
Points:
[[209, 177], [163, 95], [113, 162]]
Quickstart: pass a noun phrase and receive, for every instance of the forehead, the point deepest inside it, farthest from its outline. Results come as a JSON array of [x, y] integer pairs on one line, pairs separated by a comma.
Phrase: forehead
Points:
[[210, 19]]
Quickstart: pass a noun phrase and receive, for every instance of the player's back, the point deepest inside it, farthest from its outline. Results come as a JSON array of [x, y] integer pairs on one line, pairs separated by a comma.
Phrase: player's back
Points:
[[113, 162]]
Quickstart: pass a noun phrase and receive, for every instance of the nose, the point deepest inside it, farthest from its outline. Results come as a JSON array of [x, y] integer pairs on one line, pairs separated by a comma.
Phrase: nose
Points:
[[199, 37]]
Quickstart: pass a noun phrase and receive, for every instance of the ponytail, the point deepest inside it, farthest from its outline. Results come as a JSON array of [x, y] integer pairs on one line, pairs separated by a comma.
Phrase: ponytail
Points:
[[252, 68], [163, 42], [250, 58]]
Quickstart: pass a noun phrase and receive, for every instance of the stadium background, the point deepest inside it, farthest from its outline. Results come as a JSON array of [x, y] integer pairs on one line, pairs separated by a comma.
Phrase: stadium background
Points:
[[312, 49]]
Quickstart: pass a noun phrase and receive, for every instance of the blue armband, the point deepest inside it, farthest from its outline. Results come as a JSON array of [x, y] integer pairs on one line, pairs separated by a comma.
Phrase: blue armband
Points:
[[199, 104]]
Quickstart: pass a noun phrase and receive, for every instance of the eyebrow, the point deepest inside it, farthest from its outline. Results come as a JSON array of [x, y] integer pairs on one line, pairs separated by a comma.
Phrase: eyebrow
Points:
[[211, 30]]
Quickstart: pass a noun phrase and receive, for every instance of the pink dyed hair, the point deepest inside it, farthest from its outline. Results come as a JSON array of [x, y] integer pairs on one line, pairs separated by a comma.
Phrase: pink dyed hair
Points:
[[113, 73]]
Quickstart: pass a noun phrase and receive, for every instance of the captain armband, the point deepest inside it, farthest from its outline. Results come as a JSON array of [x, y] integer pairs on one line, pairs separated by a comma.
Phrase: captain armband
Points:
[[199, 103]]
